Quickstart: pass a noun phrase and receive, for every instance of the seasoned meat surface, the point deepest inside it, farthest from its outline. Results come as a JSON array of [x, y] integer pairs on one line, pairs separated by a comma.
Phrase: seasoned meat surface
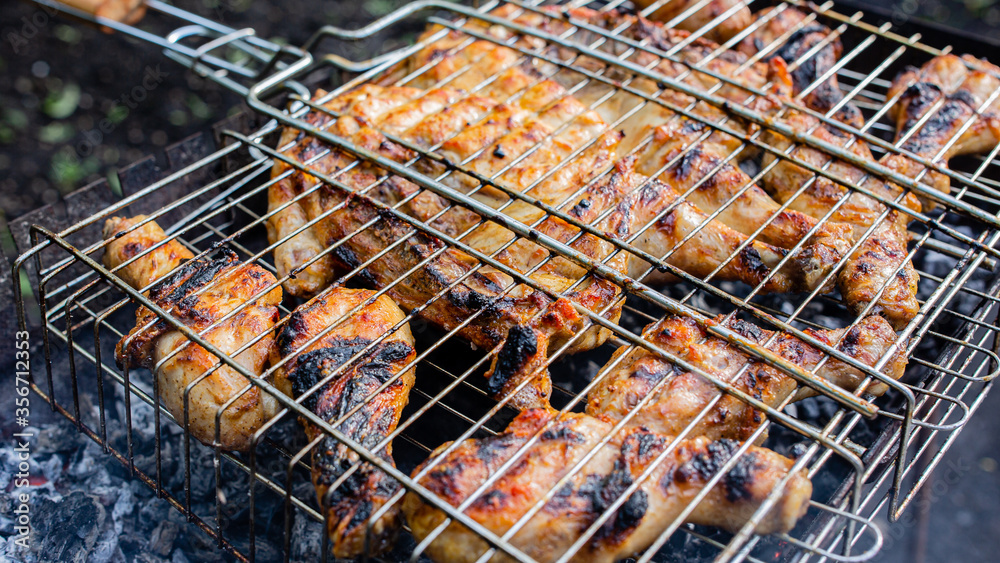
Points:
[[202, 293], [675, 397], [719, 20], [343, 357], [127, 239], [701, 169], [420, 269], [557, 444], [947, 107], [516, 144]]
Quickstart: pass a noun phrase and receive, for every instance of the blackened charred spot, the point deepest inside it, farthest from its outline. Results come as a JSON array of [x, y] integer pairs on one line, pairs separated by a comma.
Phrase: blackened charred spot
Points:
[[631, 513], [704, 465], [493, 450], [350, 261], [580, 208], [498, 152], [965, 97], [465, 298], [653, 376], [607, 492], [642, 445], [939, 125], [691, 126], [851, 341], [374, 369], [688, 163], [521, 345], [748, 330], [751, 379], [753, 262], [314, 364], [132, 248], [190, 277], [494, 499], [362, 512], [562, 432], [739, 480], [920, 95], [667, 480], [486, 282], [296, 325], [798, 45], [850, 113]]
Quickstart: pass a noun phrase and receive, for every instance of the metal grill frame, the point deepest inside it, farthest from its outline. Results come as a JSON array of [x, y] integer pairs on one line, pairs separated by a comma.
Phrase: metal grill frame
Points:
[[926, 414]]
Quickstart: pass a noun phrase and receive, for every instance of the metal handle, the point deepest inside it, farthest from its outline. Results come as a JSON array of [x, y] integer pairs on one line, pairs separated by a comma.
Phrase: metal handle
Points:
[[193, 40]]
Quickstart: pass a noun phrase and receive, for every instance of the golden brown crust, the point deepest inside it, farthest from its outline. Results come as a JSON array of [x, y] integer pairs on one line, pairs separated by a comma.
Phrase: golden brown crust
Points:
[[199, 294], [563, 442], [126, 240], [737, 20], [683, 395]]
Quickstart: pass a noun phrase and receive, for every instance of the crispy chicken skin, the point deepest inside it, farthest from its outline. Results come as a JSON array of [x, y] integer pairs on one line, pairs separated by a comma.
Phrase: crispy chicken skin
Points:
[[942, 112], [562, 442], [679, 400], [881, 259], [879, 271], [373, 381], [125, 241], [200, 293], [699, 169], [737, 20], [720, 245]]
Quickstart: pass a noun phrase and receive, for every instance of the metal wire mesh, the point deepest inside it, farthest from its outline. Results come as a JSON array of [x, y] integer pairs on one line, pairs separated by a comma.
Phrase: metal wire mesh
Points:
[[950, 344]]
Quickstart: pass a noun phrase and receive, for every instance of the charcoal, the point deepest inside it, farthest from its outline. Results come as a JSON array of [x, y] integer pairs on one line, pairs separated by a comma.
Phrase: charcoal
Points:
[[66, 529]]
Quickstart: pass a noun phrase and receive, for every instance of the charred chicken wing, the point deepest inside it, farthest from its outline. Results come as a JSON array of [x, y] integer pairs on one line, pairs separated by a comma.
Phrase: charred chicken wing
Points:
[[233, 306], [564, 518], [339, 364], [681, 395]]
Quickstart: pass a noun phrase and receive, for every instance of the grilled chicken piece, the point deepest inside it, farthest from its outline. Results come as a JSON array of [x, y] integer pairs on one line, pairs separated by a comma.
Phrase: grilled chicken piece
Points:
[[943, 112], [879, 271], [812, 50], [455, 284], [679, 400], [562, 442], [718, 242], [126, 240], [488, 69], [699, 168], [630, 203], [358, 363], [200, 293], [746, 213], [737, 16]]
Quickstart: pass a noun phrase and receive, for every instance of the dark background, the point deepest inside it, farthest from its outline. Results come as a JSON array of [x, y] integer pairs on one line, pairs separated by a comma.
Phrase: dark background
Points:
[[63, 80]]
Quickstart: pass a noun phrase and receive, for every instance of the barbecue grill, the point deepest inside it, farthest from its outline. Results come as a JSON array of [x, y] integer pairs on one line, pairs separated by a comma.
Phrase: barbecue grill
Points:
[[866, 456]]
